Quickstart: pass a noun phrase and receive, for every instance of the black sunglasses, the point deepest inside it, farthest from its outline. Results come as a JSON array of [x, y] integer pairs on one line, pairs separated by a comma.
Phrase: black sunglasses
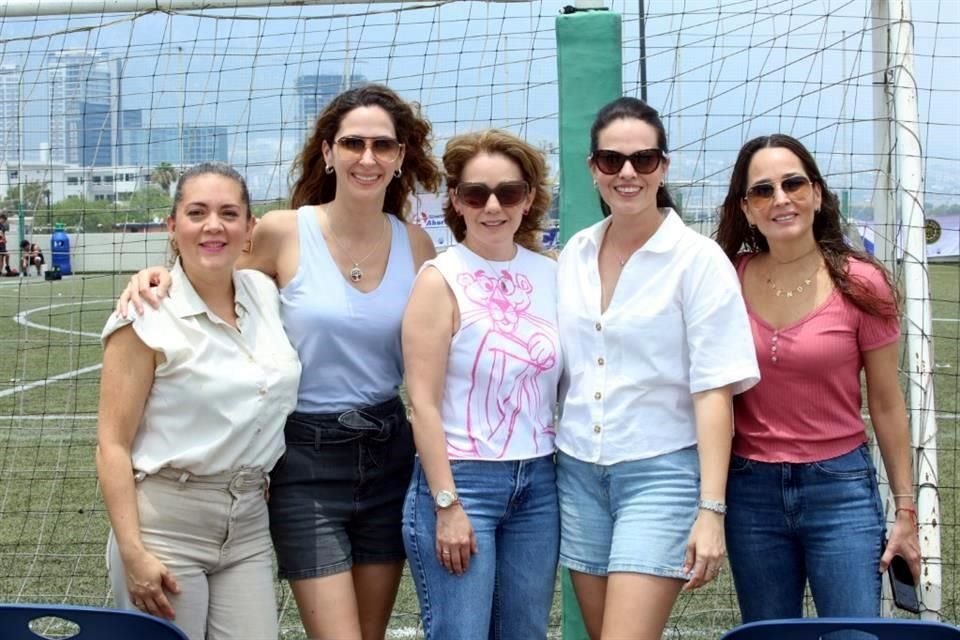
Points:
[[476, 194], [611, 162], [760, 195], [384, 149]]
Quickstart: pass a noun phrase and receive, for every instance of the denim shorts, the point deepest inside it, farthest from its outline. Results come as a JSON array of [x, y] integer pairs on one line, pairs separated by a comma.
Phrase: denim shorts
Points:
[[630, 516], [336, 495]]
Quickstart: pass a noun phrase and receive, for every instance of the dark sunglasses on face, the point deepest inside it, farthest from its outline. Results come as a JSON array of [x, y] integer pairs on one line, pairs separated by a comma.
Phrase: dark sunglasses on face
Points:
[[476, 194], [761, 195], [611, 162], [384, 149]]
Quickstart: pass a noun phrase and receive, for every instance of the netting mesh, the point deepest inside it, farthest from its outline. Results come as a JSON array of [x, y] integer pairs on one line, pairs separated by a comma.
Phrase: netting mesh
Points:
[[99, 112]]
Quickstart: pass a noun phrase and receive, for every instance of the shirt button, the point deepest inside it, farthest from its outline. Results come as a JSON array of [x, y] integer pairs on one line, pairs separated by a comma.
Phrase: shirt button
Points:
[[598, 326], [597, 428], [262, 391], [773, 348], [600, 361], [775, 337], [597, 395], [774, 358]]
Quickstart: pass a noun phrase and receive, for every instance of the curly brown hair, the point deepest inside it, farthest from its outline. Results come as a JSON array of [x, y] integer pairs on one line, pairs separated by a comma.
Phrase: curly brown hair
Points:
[[734, 234], [463, 148], [313, 185]]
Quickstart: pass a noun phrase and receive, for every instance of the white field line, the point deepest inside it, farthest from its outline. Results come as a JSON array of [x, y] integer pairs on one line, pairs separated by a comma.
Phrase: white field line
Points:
[[21, 319]]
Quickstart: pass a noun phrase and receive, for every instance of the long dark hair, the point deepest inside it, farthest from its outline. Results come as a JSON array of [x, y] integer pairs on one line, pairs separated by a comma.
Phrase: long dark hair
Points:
[[633, 108], [313, 185], [463, 148], [734, 234]]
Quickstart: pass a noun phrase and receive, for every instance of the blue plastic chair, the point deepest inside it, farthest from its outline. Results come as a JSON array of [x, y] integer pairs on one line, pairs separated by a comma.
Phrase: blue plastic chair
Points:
[[95, 623], [815, 628]]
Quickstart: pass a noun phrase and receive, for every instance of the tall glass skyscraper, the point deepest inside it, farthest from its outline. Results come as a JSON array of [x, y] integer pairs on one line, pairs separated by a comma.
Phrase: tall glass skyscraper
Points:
[[82, 109]]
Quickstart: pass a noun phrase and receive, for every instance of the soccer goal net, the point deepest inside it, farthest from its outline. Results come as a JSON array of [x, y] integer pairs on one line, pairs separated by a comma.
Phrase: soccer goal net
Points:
[[103, 103]]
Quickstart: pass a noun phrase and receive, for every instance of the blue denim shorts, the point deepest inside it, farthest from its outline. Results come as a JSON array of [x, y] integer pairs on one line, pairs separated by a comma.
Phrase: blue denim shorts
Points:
[[336, 495], [630, 516]]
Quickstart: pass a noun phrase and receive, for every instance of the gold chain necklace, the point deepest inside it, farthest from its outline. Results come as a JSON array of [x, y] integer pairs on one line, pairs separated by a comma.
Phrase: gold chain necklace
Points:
[[789, 292], [356, 273]]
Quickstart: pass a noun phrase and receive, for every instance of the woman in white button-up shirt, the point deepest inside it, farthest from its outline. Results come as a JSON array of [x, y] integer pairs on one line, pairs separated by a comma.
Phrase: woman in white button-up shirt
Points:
[[656, 341], [193, 400]]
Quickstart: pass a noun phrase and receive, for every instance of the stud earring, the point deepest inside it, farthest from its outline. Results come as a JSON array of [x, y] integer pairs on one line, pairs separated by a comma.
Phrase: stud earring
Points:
[[328, 170], [397, 174], [594, 183]]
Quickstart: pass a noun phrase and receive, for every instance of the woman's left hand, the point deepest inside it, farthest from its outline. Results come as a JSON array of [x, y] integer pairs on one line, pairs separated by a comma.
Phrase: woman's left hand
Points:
[[904, 541], [705, 550]]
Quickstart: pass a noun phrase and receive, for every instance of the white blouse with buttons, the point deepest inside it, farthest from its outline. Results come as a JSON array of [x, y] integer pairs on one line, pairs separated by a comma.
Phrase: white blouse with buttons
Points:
[[676, 325], [221, 396]]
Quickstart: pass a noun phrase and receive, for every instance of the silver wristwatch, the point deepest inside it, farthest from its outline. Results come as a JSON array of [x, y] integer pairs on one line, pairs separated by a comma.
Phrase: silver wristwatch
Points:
[[445, 499], [713, 505]]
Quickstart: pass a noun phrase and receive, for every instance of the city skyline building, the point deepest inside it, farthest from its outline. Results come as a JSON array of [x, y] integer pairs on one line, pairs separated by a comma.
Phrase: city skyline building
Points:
[[82, 100], [149, 146], [10, 135], [315, 91]]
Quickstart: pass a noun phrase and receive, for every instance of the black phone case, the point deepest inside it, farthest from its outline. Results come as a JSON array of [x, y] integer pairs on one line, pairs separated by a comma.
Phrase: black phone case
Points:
[[902, 584]]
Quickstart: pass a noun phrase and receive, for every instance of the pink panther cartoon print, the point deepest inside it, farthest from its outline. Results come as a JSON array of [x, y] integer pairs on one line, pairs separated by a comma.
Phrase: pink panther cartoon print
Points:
[[515, 350]]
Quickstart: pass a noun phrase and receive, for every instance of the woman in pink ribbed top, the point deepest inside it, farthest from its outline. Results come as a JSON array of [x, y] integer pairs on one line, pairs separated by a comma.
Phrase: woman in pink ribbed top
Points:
[[802, 496]]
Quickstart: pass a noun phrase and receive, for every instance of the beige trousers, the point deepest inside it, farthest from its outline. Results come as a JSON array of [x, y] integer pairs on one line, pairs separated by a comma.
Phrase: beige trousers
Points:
[[213, 534]]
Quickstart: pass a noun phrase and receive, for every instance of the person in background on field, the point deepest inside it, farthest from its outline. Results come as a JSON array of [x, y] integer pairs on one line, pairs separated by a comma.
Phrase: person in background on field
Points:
[[193, 398], [656, 342], [4, 253], [803, 496], [345, 260], [480, 344]]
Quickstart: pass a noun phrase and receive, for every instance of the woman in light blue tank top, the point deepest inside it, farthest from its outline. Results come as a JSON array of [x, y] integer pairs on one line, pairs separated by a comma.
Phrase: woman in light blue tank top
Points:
[[344, 259]]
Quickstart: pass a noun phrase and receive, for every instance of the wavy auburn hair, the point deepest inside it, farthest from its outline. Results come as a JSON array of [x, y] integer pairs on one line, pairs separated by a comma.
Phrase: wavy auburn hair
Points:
[[463, 148], [313, 185]]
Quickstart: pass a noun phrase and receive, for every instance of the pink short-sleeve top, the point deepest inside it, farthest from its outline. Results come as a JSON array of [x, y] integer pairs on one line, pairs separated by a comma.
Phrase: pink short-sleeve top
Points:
[[807, 406]]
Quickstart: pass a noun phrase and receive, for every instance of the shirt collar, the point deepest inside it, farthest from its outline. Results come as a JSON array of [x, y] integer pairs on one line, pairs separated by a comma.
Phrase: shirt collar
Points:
[[184, 300], [663, 240]]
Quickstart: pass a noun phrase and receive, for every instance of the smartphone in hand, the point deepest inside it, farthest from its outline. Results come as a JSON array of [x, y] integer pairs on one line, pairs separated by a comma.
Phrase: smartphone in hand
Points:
[[903, 586]]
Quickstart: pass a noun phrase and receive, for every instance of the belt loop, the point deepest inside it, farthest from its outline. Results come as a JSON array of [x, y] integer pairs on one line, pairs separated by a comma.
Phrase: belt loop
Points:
[[182, 480]]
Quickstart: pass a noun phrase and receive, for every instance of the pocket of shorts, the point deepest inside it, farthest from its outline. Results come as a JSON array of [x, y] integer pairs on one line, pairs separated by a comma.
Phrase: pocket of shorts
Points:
[[855, 465]]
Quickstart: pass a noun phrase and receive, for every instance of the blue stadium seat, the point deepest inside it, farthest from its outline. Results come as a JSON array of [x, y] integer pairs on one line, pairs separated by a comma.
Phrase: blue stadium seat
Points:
[[94, 623], [815, 628]]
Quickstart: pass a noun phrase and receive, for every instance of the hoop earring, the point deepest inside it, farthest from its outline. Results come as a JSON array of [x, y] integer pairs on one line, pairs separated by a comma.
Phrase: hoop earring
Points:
[[397, 174], [662, 184], [174, 249], [328, 170]]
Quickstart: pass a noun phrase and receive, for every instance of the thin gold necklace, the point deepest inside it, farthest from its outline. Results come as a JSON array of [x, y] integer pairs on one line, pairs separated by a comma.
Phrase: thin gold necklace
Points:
[[789, 292], [356, 273], [505, 272]]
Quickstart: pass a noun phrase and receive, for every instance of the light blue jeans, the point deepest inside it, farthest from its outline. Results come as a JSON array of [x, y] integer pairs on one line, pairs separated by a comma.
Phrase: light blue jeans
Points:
[[508, 589], [789, 523]]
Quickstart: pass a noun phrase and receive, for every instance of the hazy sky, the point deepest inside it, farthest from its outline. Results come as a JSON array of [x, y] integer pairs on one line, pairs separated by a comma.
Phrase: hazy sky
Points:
[[720, 72]]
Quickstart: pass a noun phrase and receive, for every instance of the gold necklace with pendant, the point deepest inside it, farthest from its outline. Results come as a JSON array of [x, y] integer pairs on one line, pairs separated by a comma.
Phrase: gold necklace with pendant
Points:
[[789, 292]]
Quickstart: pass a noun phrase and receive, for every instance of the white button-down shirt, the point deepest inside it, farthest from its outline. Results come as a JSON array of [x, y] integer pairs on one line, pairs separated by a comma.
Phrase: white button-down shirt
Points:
[[676, 325], [221, 397]]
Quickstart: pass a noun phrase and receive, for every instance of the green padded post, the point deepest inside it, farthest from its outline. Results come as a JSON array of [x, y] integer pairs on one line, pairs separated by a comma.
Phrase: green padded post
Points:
[[589, 75]]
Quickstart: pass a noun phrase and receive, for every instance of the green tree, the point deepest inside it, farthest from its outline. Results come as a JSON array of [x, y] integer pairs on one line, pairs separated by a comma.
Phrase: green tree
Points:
[[34, 196], [163, 176], [149, 204]]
